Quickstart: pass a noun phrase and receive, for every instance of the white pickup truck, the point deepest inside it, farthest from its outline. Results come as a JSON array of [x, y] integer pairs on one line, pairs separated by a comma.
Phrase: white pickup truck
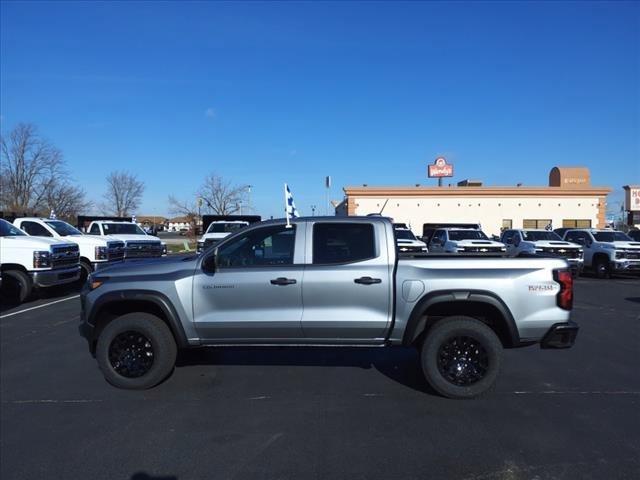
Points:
[[29, 262], [95, 251], [137, 244], [543, 242], [606, 251], [463, 240], [218, 231]]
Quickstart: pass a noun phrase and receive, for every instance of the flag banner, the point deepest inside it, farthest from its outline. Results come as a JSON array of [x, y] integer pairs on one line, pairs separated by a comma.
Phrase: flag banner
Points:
[[292, 211], [290, 206]]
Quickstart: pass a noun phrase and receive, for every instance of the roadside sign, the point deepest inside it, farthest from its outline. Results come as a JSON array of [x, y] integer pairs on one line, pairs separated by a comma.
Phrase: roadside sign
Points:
[[440, 168]]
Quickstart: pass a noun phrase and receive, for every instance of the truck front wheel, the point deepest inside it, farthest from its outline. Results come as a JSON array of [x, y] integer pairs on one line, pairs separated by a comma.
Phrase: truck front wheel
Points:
[[461, 357], [602, 267], [16, 285], [136, 351]]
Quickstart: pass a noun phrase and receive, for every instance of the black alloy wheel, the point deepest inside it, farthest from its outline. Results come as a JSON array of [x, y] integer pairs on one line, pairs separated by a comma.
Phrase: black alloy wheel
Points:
[[131, 354], [463, 361]]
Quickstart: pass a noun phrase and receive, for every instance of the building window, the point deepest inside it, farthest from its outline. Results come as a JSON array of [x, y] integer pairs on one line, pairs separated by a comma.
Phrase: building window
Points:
[[535, 224], [576, 223], [507, 224]]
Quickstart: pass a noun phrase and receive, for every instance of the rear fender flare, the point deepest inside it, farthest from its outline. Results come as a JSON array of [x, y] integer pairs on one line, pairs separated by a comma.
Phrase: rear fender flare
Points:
[[418, 322]]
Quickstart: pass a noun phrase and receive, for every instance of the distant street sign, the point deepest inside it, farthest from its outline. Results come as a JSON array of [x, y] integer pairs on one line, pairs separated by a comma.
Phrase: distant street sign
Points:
[[440, 168]]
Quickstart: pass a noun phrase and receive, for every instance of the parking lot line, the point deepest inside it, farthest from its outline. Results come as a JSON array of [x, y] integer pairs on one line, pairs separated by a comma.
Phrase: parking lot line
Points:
[[38, 306]]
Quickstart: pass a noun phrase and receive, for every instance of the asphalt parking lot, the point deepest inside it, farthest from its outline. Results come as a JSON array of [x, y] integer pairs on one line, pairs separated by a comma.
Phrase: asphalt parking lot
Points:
[[322, 413]]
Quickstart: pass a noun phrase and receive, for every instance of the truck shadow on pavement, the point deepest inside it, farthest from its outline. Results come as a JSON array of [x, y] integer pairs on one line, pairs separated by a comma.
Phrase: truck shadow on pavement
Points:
[[8, 302], [401, 364], [144, 476]]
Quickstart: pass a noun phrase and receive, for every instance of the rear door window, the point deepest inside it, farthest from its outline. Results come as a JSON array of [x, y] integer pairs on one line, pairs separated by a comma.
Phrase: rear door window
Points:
[[343, 243], [35, 229]]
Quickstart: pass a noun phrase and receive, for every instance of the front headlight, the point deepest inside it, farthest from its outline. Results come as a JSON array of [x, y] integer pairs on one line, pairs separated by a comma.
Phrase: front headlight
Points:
[[102, 253], [41, 259]]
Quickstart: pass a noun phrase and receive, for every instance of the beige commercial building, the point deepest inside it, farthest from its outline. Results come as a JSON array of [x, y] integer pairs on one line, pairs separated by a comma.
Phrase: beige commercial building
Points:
[[568, 201]]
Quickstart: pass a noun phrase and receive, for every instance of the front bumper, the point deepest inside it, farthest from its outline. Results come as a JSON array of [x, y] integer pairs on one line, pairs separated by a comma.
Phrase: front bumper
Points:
[[626, 265], [560, 335], [58, 276]]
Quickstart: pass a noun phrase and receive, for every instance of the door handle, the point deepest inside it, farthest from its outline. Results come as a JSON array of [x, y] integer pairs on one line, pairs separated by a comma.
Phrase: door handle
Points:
[[283, 281], [367, 280]]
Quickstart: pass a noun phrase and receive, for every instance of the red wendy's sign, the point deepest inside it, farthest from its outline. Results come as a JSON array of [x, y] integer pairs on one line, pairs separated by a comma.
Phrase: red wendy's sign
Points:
[[440, 168]]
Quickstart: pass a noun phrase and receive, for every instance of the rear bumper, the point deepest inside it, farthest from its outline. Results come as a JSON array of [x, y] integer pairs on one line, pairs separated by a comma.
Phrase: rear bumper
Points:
[[560, 335], [59, 276]]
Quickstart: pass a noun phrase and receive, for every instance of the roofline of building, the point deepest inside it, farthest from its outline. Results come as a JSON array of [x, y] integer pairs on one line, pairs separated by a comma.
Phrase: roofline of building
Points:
[[475, 191]]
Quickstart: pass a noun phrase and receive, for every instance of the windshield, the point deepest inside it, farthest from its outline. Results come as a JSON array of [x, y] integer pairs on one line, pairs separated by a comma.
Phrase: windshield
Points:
[[405, 235], [122, 229], [611, 237], [8, 230], [467, 235], [537, 235], [63, 228], [221, 227]]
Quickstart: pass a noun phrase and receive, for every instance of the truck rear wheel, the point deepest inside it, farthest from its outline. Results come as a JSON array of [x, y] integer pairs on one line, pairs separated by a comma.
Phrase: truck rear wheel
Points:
[[461, 357], [136, 351], [16, 285]]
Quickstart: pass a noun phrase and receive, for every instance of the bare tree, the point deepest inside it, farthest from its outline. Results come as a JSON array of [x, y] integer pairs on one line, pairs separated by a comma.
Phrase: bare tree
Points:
[[33, 175], [124, 193], [67, 200], [220, 196], [186, 209]]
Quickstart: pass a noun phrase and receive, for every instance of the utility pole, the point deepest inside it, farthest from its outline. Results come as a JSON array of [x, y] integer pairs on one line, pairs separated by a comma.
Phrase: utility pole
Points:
[[327, 184]]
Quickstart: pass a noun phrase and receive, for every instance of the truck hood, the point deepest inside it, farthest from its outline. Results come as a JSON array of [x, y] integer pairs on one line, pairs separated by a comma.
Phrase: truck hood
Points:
[[411, 243], [135, 238], [90, 240], [145, 268], [624, 245], [551, 244], [33, 243], [476, 243], [215, 236]]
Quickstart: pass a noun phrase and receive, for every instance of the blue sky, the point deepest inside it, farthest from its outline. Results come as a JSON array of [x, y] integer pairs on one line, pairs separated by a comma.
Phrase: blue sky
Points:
[[263, 93]]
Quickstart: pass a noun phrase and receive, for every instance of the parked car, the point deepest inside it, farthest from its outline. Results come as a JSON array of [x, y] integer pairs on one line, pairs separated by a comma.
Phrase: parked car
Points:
[[463, 240], [543, 242], [606, 251], [30, 263], [95, 251], [218, 231], [357, 291], [137, 244]]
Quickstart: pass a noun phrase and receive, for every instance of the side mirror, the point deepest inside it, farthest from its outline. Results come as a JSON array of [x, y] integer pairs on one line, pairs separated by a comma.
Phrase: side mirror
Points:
[[588, 242], [209, 262]]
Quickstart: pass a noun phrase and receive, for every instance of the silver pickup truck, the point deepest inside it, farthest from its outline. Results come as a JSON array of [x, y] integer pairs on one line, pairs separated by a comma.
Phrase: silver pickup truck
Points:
[[332, 281]]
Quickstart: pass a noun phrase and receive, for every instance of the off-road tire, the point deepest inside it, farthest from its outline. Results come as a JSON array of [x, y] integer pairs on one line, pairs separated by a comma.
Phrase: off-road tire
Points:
[[439, 340], [141, 325]]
